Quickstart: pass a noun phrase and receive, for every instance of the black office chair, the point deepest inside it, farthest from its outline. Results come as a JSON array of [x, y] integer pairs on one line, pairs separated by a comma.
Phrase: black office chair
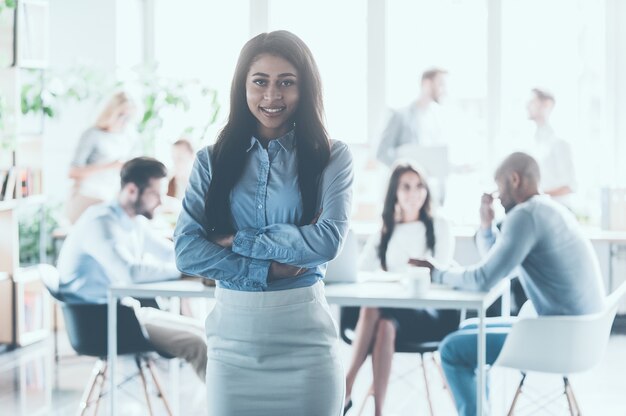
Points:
[[86, 326], [349, 317]]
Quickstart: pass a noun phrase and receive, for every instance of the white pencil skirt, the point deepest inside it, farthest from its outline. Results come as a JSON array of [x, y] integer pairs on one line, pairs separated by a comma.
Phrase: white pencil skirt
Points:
[[273, 353]]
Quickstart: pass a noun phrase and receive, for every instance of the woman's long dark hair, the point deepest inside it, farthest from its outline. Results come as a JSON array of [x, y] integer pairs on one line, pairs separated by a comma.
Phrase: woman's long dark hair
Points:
[[312, 142], [389, 220]]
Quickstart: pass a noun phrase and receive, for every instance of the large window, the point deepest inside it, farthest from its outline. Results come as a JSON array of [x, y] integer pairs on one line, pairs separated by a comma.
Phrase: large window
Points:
[[559, 45], [195, 40], [495, 53], [424, 34], [335, 31]]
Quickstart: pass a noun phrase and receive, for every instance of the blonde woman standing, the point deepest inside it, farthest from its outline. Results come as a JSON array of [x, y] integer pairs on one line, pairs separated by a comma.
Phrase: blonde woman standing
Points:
[[101, 152]]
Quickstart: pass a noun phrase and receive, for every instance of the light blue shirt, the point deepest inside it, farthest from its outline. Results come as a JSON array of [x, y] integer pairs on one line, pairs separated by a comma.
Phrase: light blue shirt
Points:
[[558, 268], [107, 247], [266, 208]]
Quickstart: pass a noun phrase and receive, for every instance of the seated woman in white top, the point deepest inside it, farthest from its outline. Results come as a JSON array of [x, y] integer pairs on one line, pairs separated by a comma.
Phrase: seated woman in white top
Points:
[[101, 152], [410, 230]]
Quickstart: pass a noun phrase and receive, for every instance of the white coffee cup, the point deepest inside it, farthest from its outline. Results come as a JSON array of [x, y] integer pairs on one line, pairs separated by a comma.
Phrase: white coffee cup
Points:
[[418, 279]]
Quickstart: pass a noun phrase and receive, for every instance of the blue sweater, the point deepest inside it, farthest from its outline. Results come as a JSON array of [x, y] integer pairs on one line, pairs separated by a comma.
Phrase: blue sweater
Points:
[[557, 265]]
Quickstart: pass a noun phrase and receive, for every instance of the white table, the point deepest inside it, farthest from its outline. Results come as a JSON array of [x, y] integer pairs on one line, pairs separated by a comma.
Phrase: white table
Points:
[[172, 289], [395, 295], [377, 294]]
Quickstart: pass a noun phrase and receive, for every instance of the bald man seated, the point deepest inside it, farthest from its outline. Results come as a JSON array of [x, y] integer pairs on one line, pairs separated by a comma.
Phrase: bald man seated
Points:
[[557, 267]]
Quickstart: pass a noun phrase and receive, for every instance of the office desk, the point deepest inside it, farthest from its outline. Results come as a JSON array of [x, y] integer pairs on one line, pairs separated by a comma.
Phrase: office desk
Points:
[[367, 293], [171, 289], [395, 295], [607, 244]]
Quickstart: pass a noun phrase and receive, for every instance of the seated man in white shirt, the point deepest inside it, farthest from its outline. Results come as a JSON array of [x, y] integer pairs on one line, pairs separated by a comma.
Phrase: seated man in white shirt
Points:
[[112, 244]]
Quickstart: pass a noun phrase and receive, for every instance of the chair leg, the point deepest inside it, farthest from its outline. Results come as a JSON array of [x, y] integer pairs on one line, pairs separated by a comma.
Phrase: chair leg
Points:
[[443, 378], [571, 399], [155, 377], [96, 371], [100, 388], [518, 392], [430, 403], [370, 392], [144, 382]]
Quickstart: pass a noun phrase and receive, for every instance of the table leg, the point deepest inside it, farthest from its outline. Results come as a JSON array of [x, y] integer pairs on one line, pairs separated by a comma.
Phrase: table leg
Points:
[[481, 379], [506, 300], [175, 367], [112, 351], [612, 255]]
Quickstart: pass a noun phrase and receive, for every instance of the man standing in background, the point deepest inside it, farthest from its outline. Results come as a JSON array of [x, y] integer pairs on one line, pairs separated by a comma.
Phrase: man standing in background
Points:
[[553, 154], [418, 123]]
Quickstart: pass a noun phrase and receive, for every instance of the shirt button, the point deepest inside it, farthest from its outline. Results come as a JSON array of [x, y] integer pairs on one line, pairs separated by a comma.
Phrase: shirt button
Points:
[[269, 250], [259, 206]]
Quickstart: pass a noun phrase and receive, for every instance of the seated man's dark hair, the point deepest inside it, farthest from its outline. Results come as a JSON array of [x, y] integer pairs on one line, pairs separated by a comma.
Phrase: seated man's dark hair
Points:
[[140, 170]]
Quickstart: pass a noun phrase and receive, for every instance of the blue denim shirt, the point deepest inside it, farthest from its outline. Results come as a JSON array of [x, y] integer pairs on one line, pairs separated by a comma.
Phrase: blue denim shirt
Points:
[[559, 268], [266, 207]]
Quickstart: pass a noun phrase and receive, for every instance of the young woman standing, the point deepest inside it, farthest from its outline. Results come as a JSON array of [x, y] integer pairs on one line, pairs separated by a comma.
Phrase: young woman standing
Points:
[[266, 208]]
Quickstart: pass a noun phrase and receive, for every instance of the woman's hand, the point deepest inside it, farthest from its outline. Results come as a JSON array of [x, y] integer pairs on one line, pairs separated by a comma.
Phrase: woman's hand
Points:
[[317, 217], [421, 263], [225, 241], [283, 271]]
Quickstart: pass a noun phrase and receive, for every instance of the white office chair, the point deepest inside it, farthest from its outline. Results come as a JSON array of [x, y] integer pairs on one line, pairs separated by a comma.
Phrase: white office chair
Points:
[[559, 345]]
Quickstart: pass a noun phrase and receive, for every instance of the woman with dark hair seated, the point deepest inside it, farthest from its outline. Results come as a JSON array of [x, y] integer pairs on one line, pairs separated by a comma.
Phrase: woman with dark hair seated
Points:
[[409, 230]]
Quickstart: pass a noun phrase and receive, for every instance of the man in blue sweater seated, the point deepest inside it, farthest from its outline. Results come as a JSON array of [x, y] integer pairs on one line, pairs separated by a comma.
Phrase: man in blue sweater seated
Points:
[[557, 267]]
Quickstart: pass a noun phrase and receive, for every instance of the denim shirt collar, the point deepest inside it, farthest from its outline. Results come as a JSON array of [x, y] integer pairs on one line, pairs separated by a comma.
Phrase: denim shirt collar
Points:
[[287, 142]]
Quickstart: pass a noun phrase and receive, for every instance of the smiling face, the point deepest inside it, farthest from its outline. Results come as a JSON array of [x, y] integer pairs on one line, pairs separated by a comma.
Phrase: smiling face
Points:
[[272, 94], [411, 195]]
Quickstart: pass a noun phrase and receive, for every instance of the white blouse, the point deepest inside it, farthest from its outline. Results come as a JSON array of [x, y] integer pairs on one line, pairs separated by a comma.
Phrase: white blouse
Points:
[[409, 241]]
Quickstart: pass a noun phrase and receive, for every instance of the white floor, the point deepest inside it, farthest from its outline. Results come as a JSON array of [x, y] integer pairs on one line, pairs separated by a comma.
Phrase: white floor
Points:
[[32, 384]]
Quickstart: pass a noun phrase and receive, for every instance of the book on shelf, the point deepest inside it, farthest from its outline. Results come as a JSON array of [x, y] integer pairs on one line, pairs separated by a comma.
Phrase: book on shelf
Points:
[[8, 186], [33, 309], [19, 182], [4, 175], [24, 183]]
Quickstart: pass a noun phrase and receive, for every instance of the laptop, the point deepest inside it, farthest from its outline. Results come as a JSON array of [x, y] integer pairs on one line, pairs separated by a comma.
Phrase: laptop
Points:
[[344, 268], [433, 159]]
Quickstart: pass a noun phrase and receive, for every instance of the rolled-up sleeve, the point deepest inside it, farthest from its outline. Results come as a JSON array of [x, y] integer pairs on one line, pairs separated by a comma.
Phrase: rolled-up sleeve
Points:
[[516, 240], [196, 255], [485, 239], [309, 245]]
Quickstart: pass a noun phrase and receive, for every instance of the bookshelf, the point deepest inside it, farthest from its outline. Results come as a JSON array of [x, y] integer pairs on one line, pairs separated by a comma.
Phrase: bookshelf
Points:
[[25, 306]]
